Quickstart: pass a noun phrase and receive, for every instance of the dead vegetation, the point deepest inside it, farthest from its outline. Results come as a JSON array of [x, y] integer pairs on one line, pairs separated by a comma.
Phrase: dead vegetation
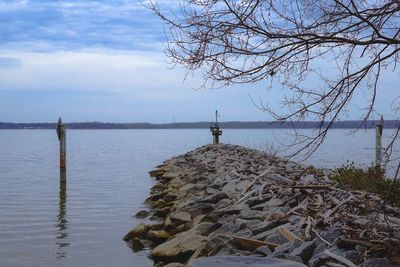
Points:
[[230, 200]]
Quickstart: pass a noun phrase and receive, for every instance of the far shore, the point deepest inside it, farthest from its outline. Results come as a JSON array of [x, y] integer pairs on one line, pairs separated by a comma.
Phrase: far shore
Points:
[[350, 124]]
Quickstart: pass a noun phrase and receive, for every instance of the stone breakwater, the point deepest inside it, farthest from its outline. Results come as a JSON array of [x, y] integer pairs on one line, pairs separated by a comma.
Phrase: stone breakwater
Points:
[[227, 200]]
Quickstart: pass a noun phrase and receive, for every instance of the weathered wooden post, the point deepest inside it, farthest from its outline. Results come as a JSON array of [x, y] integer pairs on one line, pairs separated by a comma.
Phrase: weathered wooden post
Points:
[[62, 223], [378, 141], [215, 131], [61, 134]]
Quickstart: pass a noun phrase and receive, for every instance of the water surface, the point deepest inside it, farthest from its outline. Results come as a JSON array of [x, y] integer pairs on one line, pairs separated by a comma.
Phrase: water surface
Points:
[[82, 224]]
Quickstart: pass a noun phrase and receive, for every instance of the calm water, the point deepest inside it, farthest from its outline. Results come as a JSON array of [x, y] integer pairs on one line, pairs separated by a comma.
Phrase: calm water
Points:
[[42, 224]]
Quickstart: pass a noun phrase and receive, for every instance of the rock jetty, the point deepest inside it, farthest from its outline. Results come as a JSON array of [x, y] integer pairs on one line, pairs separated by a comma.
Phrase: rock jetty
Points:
[[242, 205]]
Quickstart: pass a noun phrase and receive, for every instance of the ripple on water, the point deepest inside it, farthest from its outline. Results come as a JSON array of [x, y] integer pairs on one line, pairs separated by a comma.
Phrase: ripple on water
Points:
[[43, 224]]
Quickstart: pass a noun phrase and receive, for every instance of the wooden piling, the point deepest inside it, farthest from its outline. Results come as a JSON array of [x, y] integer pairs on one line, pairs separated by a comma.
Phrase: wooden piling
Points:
[[61, 133], [378, 141]]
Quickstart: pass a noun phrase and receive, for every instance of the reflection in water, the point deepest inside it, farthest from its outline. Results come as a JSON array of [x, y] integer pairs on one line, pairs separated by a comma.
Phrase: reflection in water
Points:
[[62, 224]]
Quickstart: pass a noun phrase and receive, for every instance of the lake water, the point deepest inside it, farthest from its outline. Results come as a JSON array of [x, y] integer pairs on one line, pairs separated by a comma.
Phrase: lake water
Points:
[[83, 224]]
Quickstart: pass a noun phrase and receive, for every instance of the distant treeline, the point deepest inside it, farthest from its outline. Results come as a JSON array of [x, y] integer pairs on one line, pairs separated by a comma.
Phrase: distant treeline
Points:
[[201, 125]]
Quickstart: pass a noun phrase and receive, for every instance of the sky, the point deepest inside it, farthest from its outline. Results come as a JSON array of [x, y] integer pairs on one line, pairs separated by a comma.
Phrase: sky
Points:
[[103, 61]]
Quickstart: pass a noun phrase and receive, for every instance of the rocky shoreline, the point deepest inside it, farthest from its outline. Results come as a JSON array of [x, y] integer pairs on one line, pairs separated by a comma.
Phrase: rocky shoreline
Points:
[[226, 200]]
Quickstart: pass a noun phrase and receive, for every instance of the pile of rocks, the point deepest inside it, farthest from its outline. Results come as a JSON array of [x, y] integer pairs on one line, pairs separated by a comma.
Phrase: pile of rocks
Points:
[[221, 200]]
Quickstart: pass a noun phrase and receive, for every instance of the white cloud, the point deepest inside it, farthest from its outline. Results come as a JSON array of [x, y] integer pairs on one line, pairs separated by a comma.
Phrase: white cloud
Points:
[[13, 5], [103, 70]]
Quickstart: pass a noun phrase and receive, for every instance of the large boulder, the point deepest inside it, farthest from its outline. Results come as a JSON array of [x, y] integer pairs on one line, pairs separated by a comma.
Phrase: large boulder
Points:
[[139, 231], [180, 216], [158, 236], [180, 248]]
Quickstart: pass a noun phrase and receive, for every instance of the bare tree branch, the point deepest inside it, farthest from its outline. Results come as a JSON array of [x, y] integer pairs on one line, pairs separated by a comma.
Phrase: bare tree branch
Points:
[[286, 42]]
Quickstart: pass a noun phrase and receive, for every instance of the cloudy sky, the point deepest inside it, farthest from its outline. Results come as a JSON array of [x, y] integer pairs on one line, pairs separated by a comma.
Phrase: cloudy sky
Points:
[[104, 61]]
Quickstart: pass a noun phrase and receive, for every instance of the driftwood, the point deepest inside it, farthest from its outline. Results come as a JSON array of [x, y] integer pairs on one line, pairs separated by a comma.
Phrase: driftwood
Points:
[[339, 258], [302, 205], [248, 194], [260, 192], [329, 213], [311, 205], [318, 187], [323, 239], [333, 264], [256, 179], [287, 234], [308, 228], [350, 243], [252, 244], [311, 186]]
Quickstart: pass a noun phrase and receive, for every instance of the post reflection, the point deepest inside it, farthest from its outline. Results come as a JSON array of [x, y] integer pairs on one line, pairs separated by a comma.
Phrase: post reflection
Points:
[[62, 223]]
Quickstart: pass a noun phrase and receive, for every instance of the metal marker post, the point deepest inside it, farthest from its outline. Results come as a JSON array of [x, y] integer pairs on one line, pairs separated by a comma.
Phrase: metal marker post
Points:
[[378, 141], [215, 131], [61, 134]]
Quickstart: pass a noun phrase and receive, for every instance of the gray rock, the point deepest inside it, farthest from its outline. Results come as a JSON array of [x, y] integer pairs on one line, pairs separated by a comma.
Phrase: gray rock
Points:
[[189, 187], [223, 203], [180, 216], [211, 247], [174, 264], [161, 212], [242, 185], [375, 262], [230, 188], [239, 252], [275, 202], [248, 223], [283, 209], [179, 248], [396, 233], [304, 250], [215, 198], [320, 247], [294, 219], [159, 264], [332, 234], [292, 203], [287, 257], [261, 230], [362, 222], [234, 209], [308, 178], [139, 231], [224, 251], [318, 259], [218, 182], [291, 166], [244, 233], [252, 215], [352, 255], [284, 248], [227, 218], [206, 228], [276, 238], [256, 200], [158, 236], [360, 250], [136, 244], [211, 191], [263, 250], [227, 228], [240, 261], [261, 207], [142, 214], [196, 209]]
